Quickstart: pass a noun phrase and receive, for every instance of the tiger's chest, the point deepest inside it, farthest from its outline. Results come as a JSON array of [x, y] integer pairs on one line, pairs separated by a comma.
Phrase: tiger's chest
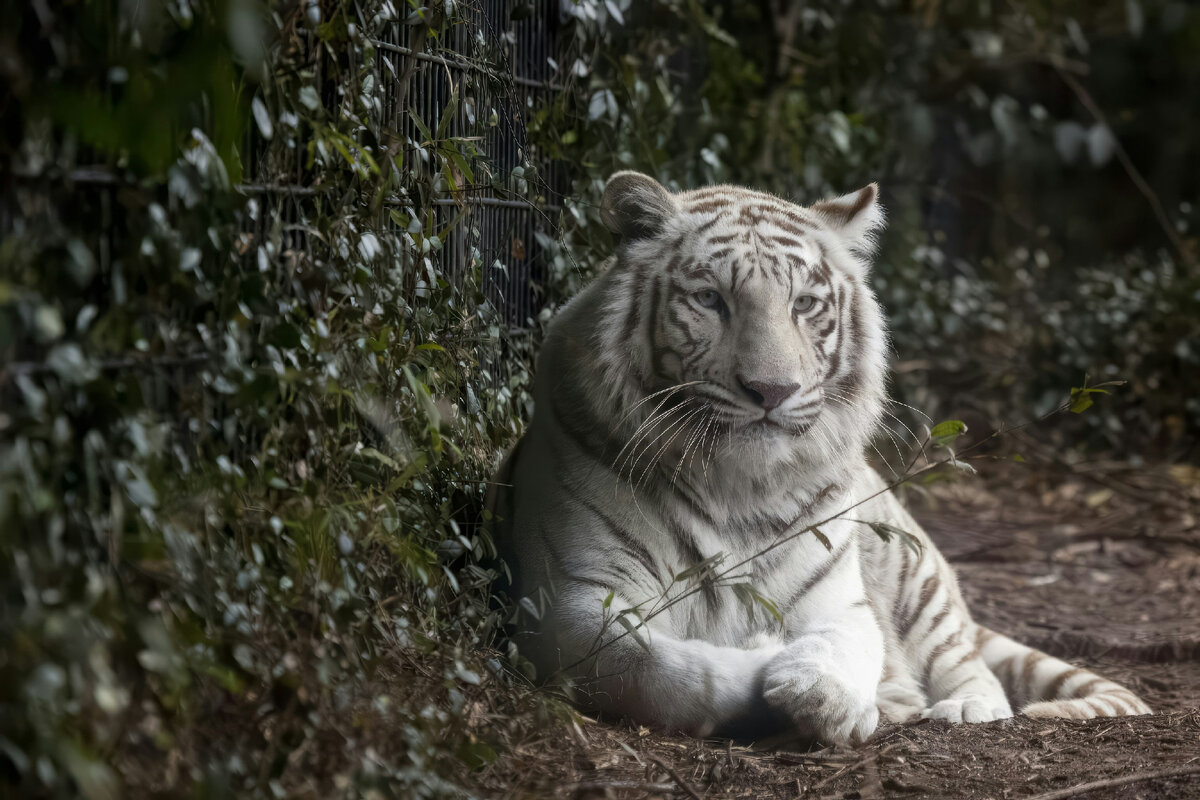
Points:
[[738, 586]]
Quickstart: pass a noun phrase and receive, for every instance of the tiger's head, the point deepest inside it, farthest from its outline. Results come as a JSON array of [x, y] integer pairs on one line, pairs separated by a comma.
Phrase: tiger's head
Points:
[[757, 307]]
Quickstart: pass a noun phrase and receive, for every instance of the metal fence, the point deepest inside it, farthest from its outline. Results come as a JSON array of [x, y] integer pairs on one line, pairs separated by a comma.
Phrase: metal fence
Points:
[[498, 231], [486, 62], [490, 61]]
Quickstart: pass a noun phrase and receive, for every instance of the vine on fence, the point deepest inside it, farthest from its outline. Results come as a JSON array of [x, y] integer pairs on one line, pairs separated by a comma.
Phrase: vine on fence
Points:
[[250, 398]]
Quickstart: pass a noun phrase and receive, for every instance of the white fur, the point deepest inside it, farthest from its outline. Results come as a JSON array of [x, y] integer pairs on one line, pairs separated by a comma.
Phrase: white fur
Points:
[[609, 503]]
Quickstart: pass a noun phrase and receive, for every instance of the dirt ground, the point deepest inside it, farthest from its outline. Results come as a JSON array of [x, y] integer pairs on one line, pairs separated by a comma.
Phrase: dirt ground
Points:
[[1099, 565]]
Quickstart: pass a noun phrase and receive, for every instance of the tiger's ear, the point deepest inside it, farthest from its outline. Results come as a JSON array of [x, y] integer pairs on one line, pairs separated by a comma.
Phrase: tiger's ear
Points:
[[857, 216], [636, 206]]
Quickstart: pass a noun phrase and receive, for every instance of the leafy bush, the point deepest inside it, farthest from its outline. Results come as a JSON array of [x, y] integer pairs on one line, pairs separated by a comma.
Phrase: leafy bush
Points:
[[245, 430]]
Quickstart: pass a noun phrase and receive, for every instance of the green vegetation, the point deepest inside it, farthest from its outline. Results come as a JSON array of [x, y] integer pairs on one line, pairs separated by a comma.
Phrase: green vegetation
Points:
[[240, 427], [250, 402]]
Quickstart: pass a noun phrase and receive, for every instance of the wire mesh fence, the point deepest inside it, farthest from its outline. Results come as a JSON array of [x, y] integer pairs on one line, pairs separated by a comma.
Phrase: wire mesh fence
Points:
[[472, 81]]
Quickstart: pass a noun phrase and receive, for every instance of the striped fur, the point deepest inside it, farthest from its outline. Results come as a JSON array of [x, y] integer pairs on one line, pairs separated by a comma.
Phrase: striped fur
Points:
[[711, 393]]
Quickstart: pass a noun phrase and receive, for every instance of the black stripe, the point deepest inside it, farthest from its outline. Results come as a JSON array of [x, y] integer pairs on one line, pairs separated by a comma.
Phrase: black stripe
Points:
[[656, 353], [632, 317], [593, 440], [945, 646], [627, 540], [928, 588], [693, 505], [938, 619], [961, 684], [819, 573], [708, 206], [692, 555]]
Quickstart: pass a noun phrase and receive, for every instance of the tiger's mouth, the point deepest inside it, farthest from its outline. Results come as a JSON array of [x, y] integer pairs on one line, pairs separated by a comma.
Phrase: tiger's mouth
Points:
[[765, 426], [733, 414], [762, 426]]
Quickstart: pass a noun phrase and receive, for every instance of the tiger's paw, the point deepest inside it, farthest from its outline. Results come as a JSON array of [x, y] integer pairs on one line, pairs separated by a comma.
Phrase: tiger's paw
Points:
[[968, 708], [820, 703]]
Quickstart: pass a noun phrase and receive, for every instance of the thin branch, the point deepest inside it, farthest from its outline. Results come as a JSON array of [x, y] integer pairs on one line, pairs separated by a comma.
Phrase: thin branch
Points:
[[862, 762], [1124, 780], [675, 776], [634, 786], [1126, 162], [112, 364]]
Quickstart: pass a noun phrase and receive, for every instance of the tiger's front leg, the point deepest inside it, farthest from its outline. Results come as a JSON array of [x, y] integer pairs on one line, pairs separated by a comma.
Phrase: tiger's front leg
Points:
[[826, 679]]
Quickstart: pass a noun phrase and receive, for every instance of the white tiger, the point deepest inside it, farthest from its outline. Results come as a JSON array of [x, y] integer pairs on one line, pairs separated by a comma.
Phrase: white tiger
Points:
[[708, 395]]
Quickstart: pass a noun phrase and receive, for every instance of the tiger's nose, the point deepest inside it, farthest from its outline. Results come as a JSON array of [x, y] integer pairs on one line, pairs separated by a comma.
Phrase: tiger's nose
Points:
[[767, 395]]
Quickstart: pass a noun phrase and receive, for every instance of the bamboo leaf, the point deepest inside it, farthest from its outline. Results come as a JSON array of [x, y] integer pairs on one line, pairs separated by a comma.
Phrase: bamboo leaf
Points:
[[822, 538], [886, 531], [634, 629], [448, 114], [700, 568], [944, 433]]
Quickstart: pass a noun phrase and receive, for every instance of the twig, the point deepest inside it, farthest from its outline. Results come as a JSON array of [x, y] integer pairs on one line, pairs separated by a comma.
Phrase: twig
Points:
[[1132, 171], [1062, 67], [675, 776], [636, 786], [872, 756], [112, 364], [1107, 783]]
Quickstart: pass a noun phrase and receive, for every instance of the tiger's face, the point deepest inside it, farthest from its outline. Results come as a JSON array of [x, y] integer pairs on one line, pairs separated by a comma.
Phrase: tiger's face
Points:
[[756, 306]]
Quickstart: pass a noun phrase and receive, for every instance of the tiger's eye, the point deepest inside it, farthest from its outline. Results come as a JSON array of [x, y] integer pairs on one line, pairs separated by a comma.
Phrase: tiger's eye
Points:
[[709, 298], [805, 303]]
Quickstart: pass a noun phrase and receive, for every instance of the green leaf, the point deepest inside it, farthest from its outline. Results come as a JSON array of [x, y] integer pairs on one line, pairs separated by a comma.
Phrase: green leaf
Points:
[[608, 600], [710, 25], [476, 754], [699, 569], [945, 432], [463, 165], [768, 604], [285, 335], [751, 597], [448, 112], [634, 629], [422, 128], [372, 453], [822, 538], [1081, 396], [94, 778], [886, 531]]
